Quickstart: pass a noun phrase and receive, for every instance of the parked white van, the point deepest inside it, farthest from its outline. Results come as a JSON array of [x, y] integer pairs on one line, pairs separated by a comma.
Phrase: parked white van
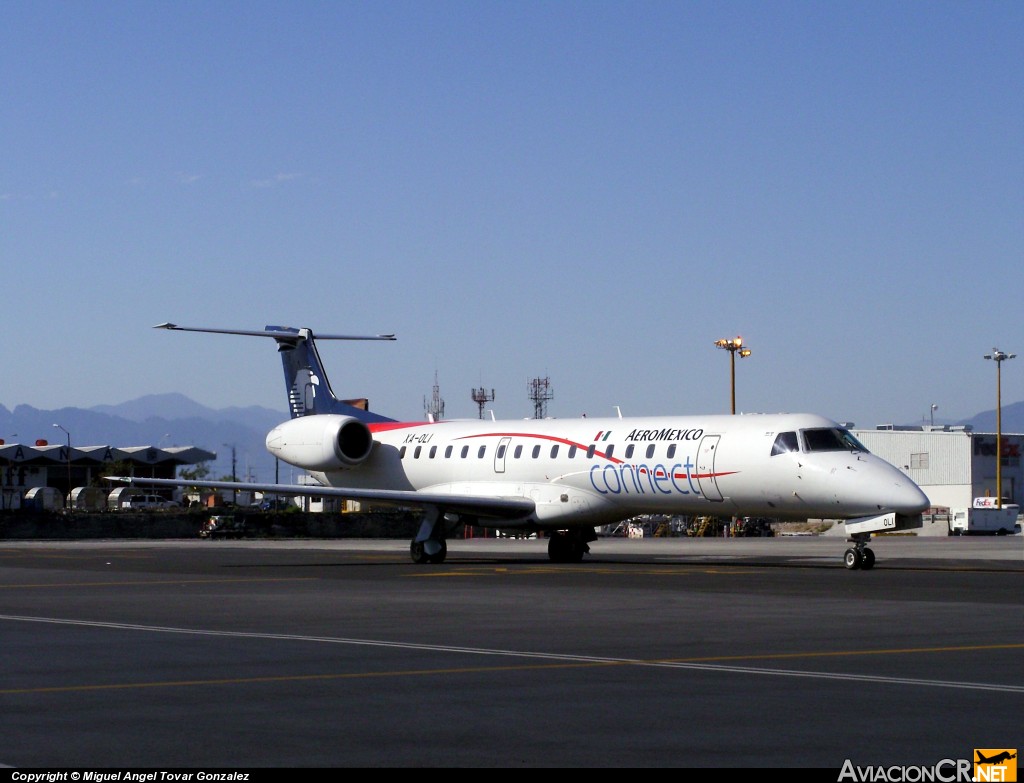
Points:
[[136, 502]]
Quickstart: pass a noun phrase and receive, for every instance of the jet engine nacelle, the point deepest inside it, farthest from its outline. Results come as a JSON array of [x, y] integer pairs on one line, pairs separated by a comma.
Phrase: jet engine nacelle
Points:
[[321, 442]]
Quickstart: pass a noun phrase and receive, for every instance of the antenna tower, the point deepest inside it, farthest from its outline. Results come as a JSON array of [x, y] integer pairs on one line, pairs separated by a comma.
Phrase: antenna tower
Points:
[[434, 409], [481, 397], [540, 392]]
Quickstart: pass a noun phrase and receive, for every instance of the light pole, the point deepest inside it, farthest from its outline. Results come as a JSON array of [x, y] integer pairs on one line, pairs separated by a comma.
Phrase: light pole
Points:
[[734, 346], [67, 500], [5, 479], [999, 357], [234, 476]]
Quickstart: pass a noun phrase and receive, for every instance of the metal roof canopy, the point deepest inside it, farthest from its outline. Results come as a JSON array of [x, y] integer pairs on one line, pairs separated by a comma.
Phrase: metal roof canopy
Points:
[[97, 455]]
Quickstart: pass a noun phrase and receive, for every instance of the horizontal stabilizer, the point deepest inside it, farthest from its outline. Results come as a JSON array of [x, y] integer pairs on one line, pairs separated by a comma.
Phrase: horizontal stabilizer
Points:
[[277, 332]]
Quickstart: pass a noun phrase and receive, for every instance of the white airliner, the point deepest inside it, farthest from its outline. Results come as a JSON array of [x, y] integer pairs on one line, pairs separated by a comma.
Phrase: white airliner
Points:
[[568, 476]]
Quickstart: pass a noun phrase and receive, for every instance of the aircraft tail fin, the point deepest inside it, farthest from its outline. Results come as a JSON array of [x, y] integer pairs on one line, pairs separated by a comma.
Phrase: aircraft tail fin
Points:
[[309, 391], [305, 379]]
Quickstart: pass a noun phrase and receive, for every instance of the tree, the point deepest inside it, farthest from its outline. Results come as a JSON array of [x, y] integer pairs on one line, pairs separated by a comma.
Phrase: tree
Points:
[[197, 473], [116, 468]]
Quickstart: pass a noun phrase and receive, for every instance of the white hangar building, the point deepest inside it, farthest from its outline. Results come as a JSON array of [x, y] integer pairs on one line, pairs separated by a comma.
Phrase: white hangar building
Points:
[[952, 464]]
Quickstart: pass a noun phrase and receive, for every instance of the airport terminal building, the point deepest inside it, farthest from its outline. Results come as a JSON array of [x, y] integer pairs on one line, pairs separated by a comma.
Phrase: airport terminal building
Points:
[[952, 464], [41, 476]]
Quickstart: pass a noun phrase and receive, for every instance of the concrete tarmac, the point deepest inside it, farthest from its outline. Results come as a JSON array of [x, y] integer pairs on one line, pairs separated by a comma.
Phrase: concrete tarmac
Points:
[[685, 653]]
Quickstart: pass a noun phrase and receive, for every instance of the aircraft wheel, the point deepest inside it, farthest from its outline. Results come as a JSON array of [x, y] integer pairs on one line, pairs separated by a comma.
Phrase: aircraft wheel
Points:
[[555, 548], [869, 559], [559, 548], [852, 559], [566, 548], [430, 551], [418, 553], [441, 553]]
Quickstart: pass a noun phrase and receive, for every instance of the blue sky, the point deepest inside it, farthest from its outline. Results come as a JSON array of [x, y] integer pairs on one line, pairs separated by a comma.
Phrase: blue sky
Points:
[[592, 192]]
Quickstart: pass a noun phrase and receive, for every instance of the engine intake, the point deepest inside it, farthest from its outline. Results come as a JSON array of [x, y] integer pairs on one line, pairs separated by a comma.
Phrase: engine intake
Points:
[[321, 442]]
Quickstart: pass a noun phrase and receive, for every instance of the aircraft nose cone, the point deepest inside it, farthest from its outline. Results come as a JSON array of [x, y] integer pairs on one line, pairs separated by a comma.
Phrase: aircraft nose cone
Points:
[[897, 492], [907, 498], [891, 490]]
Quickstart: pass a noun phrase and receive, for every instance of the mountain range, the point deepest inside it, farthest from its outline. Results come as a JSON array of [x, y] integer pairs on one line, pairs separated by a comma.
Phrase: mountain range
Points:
[[175, 420]]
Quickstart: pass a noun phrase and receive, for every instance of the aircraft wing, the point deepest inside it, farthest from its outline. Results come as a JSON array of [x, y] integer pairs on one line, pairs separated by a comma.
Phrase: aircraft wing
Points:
[[492, 507]]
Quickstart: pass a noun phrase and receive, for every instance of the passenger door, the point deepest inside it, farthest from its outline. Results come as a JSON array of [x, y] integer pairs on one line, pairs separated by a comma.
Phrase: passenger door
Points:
[[706, 480]]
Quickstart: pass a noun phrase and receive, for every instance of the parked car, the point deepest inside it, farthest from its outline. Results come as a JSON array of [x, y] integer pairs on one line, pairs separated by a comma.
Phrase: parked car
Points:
[[274, 504], [136, 502]]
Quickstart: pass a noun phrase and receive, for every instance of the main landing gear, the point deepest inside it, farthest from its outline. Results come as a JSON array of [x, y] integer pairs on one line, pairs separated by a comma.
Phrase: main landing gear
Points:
[[433, 550], [569, 546], [430, 545], [859, 556]]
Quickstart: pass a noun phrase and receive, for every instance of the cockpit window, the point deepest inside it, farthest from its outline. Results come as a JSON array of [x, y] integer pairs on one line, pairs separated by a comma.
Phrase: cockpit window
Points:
[[831, 440], [784, 443]]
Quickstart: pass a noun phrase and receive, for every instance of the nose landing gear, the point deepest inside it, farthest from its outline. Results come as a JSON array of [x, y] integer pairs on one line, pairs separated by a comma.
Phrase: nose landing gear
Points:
[[859, 556]]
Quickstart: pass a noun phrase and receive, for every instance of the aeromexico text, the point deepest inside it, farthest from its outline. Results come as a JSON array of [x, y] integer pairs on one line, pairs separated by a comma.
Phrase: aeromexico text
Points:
[[666, 434]]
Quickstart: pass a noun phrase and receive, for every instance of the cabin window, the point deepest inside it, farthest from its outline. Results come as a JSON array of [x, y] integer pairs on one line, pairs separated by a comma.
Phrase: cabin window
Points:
[[650, 451], [447, 452], [416, 454], [572, 452], [785, 443], [536, 451], [481, 452], [590, 450], [501, 451], [433, 451], [554, 451], [609, 451], [401, 453], [629, 451], [465, 451], [831, 439], [671, 451], [518, 452]]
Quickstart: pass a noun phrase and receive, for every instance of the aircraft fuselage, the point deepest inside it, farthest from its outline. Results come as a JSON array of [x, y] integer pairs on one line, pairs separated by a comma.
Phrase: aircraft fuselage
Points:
[[595, 471]]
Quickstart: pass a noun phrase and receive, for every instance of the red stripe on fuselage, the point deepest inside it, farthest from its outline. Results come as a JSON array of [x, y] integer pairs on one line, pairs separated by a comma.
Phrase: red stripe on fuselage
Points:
[[386, 426]]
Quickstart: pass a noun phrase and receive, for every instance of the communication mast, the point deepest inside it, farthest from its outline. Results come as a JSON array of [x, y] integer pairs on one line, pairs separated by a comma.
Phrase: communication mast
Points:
[[434, 409], [481, 397], [540, 392]]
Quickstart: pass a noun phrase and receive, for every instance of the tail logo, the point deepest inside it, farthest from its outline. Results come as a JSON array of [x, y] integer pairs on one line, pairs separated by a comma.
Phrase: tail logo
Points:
[[302, 394]]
